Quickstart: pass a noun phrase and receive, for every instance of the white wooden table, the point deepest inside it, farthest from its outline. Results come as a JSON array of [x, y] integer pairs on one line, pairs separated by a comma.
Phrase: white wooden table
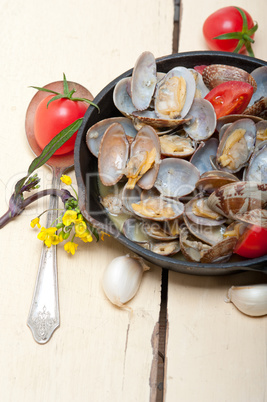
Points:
[[212, 351]]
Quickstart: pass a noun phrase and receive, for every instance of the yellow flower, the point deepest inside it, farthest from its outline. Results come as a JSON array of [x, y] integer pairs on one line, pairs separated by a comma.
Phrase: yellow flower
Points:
[[48, 236], [103, 234], [35, 222], [71, 247], [69, 217], [86, 237], [80, 227], [66, 179]]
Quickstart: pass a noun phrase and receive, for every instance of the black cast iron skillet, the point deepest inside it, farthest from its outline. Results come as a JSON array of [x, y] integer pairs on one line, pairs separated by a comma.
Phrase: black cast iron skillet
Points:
[[86, 167]]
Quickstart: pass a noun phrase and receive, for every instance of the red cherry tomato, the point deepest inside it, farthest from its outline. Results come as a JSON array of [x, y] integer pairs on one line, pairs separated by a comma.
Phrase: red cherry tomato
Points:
[[224, 21], [231, 97], [59, 114], [253, 242]]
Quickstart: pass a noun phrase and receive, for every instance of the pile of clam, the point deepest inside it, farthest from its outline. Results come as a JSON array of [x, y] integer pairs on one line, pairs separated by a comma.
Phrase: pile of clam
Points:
[[183, 180]]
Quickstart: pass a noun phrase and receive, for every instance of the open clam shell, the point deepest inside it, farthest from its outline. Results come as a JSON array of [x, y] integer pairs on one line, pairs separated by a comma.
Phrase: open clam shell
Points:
[[176, 146], [176, 177], [146, 141], [203, 122], [175, 94], [260, 76], [261, 128], [197, 251], [144, 79], [149, 117], [208, 234], [113, 154], [201, 89], [201, 157], [257, 168], [121, 97], [158, 209], [95, 133], [198, 212], [257, 217], [159, 231], [236, 146], [213, 179], [239, 197], [165, 248], [216, 74]]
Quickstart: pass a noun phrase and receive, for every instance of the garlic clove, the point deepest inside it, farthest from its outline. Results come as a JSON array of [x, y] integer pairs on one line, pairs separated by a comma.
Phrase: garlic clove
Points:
[[250, 300], [122, 278]]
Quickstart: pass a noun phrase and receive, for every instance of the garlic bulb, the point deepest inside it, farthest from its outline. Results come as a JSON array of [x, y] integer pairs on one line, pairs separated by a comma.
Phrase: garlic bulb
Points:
[[251, 300], [122, 278]]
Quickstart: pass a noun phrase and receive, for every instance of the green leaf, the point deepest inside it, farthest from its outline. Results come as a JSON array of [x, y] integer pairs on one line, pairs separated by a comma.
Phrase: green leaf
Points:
[[230, 35], [65, 86], [239, 46], [244, 18], [45, 90], [54, 145], [59, 96], [253, 29]]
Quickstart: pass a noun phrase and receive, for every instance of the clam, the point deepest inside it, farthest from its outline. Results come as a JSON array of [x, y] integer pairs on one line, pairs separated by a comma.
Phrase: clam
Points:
[[95, 133], [213, 179], [236, 145], [198, 211], [216, 74], [238, 197], [174, 145], [208, 234], [112, 202], [175, 94], [150, 117], [231, 118], [176, 177], [201, 157], [158, 209], [257, 217], [203, 120], [121, 97], [257, 168], [201, 89], [130, 196], [259, 108], [261, 128], [260, 76], [159, 231], [143, 164], [144, 79], [195, 250], [113, 154], [165, 248]]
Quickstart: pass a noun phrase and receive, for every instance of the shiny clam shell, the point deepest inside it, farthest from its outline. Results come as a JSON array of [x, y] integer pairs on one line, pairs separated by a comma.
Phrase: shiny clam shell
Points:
[[203, 120], [198, 212], [121, 97], [167, 105], [176, 177], [260, 76], [144, 79], [113, 154], [236, 145], [174, 145], [95, 133], [158, 209], [238, 197], [201, 158], [216, 74], [257, 168]]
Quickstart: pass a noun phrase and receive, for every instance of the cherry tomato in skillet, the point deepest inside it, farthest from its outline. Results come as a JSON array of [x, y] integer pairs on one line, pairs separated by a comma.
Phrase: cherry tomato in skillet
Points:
[[59, 114], [234, 26], [231, 97], [252, 243]]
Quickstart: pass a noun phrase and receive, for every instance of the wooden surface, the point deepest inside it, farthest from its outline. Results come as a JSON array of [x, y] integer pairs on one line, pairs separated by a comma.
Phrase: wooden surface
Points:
[[100, 353], [213, 352]]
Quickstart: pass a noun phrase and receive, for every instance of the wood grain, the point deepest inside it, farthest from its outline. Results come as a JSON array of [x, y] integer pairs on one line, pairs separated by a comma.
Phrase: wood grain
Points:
[[98, 353], [213, 351]]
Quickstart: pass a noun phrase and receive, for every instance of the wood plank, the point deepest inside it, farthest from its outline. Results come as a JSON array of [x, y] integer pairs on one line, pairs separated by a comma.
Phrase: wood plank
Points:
[[99, 353], [213, 351]]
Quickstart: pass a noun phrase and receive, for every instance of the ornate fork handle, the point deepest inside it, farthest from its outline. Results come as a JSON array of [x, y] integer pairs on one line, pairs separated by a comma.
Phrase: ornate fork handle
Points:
[[43, 317]]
